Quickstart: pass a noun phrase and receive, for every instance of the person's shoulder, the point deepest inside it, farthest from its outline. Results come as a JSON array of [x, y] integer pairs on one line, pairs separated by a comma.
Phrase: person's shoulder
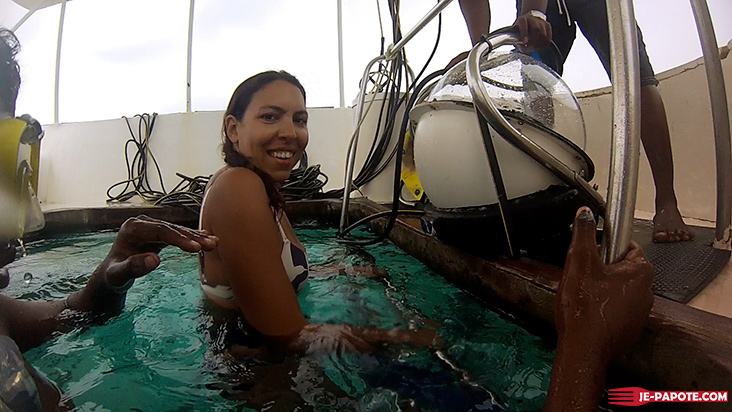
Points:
[[238, 184], [237, 177], [236, 198]]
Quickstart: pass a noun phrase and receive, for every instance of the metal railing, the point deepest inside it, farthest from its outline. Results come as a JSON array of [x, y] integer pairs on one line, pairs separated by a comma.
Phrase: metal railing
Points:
[[720, 120], [391, 52], [623, 179], [507, 131]]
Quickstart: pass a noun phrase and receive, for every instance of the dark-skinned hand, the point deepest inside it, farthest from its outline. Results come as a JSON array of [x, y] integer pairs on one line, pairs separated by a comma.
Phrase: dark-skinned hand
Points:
[[534, 33], [602, 307], [140, 239]]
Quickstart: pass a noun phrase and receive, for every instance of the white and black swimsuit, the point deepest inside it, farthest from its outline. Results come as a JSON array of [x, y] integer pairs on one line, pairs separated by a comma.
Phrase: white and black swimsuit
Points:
[[294, 259]]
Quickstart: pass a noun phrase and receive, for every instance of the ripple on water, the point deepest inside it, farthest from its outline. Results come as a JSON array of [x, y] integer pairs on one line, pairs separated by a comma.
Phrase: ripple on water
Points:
[[155, 355]]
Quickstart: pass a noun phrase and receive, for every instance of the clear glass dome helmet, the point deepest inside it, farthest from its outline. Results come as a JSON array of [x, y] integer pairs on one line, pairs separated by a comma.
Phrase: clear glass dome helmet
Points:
[[449, 148]]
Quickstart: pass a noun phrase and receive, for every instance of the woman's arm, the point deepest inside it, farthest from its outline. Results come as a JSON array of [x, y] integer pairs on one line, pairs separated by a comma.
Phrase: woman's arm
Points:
[[238, 212], [133, 254], [371, 272]]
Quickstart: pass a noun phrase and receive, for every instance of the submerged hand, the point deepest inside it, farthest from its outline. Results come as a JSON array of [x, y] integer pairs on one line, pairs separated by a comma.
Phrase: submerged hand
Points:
[[371, 272], [327, 338], [602, 308], [140, 239]]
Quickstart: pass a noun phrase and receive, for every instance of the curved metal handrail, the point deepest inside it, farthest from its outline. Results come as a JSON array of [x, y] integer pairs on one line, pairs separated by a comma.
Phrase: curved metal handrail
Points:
[[486, 107], [720, 120], [625, 152]]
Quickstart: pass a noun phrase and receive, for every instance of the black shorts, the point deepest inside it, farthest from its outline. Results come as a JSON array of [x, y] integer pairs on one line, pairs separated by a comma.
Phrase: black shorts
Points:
[[591, 17]]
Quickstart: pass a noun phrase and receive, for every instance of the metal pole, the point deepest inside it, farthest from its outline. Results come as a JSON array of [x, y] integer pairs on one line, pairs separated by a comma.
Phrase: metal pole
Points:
[[623, 180], [351, 159], [58, 61], [503, 203], [26, 17], [720, 119], [392, 50], [190, 57], [342, 99], [23, 19]]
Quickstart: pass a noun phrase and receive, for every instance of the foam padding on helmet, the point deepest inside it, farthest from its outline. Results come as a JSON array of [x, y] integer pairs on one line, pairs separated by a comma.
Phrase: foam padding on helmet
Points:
[[19, 162]]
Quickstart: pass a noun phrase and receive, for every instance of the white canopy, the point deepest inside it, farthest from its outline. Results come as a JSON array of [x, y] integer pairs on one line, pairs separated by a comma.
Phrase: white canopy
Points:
[[36, 4]]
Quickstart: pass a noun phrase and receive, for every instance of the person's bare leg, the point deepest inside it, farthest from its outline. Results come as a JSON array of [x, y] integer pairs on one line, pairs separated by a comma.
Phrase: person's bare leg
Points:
[[668, 226]]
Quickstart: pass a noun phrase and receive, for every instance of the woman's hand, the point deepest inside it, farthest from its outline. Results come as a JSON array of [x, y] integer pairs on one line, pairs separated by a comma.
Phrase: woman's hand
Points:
[[371, 272], [326, 338]]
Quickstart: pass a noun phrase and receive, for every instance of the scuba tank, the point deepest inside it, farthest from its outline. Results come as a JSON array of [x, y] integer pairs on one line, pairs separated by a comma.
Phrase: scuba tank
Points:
[[20, 146]]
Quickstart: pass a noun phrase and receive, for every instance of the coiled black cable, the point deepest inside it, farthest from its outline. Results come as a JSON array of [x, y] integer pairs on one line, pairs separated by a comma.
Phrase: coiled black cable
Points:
[[397, 173], [304, 182], [137, 182], [378, 159]]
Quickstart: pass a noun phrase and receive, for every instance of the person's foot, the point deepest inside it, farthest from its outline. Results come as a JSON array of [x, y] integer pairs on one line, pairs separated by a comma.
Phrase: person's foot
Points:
[[669, 227]]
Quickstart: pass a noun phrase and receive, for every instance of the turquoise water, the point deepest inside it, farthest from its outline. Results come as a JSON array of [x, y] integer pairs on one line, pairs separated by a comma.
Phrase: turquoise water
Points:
[[154, 356]]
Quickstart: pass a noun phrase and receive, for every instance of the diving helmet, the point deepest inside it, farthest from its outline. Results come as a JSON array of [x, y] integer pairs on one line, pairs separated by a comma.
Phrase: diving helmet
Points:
[[20, 140], [452, 161]]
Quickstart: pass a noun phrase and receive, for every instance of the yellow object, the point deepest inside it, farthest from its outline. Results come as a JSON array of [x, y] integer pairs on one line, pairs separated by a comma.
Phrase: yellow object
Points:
[[19, 161], [409, 169]]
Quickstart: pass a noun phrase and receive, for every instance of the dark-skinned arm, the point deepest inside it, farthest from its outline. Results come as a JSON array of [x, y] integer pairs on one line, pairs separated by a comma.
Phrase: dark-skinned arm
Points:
[[477, 15], [600, 313], [535, 32], [133, 254]]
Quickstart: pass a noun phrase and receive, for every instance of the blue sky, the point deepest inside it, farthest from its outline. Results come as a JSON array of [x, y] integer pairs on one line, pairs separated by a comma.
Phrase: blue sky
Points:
[[127, 57]]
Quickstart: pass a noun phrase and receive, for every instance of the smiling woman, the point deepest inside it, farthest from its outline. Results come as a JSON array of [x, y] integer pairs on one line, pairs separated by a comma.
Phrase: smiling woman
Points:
[[260, 264], [279, 112]]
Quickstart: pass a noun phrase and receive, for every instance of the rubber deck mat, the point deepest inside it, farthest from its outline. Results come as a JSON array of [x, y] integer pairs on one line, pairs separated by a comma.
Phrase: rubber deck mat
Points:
[[682, 269]]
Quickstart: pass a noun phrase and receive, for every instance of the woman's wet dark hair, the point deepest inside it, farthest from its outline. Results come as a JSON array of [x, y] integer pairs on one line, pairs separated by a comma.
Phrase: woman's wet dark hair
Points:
[[237, 107], [9, 70]]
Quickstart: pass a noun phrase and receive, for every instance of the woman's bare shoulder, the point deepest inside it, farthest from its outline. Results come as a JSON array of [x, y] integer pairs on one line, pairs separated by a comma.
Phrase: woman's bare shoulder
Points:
[[236, 191], [233, 181]]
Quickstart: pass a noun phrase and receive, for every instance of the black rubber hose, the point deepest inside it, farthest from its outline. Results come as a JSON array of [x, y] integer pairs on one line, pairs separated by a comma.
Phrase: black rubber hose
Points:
[[397, 168]]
